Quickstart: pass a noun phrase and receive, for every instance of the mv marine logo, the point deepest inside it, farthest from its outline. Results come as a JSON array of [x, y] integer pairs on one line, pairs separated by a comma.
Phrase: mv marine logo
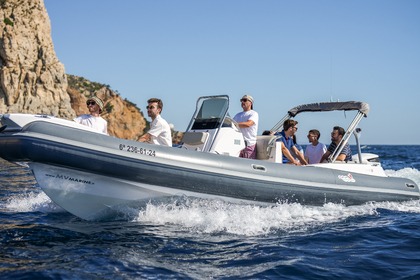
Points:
[[347, 178], [71, 179]]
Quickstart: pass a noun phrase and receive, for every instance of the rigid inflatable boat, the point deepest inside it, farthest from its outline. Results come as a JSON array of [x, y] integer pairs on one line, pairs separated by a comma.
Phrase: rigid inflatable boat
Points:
[[90, 174]]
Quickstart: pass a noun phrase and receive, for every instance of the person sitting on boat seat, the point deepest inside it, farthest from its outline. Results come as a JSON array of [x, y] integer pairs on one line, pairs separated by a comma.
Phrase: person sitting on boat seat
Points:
[[93, 119], [314, 151], [286, 136], [160, 131], [248, 124], [336, 136], [286, 153]]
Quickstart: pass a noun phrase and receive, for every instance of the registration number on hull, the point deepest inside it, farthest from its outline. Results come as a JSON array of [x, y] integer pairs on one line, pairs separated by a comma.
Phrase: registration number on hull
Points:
[[137, 150]]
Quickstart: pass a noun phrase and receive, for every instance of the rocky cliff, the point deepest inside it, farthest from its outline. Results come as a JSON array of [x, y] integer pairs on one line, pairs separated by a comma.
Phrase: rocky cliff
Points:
[[31, 77], [33, 80]]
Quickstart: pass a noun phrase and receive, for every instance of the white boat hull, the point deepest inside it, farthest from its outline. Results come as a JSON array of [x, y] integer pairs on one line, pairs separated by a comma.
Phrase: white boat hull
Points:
[[95, 194], [98, 196]]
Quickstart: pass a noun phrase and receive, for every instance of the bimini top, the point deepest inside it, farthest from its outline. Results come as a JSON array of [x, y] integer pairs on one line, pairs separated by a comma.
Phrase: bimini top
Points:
[[330, 106]]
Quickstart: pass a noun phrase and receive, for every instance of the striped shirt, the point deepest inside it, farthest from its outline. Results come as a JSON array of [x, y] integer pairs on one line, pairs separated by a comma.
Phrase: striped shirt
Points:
[[346, 150]]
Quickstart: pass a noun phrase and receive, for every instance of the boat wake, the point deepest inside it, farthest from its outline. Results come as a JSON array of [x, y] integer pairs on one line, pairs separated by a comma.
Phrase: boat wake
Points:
[[205, 216]]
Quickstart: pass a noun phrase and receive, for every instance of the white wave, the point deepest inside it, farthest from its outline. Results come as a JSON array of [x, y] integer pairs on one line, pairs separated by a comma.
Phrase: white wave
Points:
[[410, 173], [412, 206], [210, 216], [31, 202]]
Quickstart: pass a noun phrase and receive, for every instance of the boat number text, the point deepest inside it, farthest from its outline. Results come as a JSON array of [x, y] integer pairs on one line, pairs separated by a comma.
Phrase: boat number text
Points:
[[137, 150]]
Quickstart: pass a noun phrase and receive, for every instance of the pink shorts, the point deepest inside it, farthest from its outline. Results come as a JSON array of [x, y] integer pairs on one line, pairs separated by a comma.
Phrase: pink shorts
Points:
[[249, 152]]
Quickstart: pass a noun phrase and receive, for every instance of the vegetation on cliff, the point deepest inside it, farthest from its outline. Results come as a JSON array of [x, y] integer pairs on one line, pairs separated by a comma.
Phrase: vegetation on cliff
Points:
[[125, 119]]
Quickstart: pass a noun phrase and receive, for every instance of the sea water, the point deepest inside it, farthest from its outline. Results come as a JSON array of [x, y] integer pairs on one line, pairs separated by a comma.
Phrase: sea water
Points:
[[209, 239]]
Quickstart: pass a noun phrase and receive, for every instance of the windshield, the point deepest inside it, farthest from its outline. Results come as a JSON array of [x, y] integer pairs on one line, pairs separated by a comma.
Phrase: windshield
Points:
[[211, 113]]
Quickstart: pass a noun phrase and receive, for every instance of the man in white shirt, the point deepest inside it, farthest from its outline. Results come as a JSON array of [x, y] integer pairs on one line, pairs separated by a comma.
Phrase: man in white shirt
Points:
[[248, 124], [160, 131], [314, 151], [93, 119]]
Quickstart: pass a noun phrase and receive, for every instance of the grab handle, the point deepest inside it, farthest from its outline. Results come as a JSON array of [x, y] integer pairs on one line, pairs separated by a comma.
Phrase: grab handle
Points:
[[259, 167]]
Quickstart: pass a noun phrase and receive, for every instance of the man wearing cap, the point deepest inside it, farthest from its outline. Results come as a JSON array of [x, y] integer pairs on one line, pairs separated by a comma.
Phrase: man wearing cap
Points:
[[94, 120], [248, 124]]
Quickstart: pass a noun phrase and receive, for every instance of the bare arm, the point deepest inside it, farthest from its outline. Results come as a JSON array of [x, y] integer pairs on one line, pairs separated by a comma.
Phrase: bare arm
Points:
[[145, 138], [325, 156], [287, 154], [248, 123], [300, 156], [341, 157]]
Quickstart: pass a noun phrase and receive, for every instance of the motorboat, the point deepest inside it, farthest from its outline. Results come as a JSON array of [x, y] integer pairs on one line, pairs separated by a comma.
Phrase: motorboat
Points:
[[90, 174]]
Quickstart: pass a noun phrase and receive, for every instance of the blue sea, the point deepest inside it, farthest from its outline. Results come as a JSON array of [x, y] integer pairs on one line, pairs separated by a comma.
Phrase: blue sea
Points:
[[203, 239]]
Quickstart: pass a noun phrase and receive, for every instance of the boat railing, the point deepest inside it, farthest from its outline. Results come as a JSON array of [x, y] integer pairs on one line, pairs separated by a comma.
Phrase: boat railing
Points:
[[333, 157]]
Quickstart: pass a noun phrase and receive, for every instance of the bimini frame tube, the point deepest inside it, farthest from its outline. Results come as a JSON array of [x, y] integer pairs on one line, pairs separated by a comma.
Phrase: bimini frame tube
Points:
[[346, 137], [279, 125]]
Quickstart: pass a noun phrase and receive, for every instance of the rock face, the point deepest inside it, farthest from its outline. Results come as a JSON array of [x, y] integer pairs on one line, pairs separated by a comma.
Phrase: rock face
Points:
[[31, 77]]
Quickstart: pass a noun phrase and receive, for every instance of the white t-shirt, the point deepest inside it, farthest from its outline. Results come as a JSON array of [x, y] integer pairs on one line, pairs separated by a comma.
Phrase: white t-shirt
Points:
[[97, 123], [249, 133], [315, 153], [161, 132]]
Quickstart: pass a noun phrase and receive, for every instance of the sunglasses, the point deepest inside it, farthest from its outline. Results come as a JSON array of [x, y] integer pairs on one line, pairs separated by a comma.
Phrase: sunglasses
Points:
[[150, 107], [90, 103], [244, 100]]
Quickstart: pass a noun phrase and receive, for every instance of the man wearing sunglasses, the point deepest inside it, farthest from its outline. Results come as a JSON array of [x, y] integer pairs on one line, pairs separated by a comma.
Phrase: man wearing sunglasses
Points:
[[316, 149], [93, 119], [336, 136], [248, 124], [160, 131], [286, 136]]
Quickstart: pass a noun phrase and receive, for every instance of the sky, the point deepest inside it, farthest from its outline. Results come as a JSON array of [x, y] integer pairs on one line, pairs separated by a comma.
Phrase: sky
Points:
[[283, 53]]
